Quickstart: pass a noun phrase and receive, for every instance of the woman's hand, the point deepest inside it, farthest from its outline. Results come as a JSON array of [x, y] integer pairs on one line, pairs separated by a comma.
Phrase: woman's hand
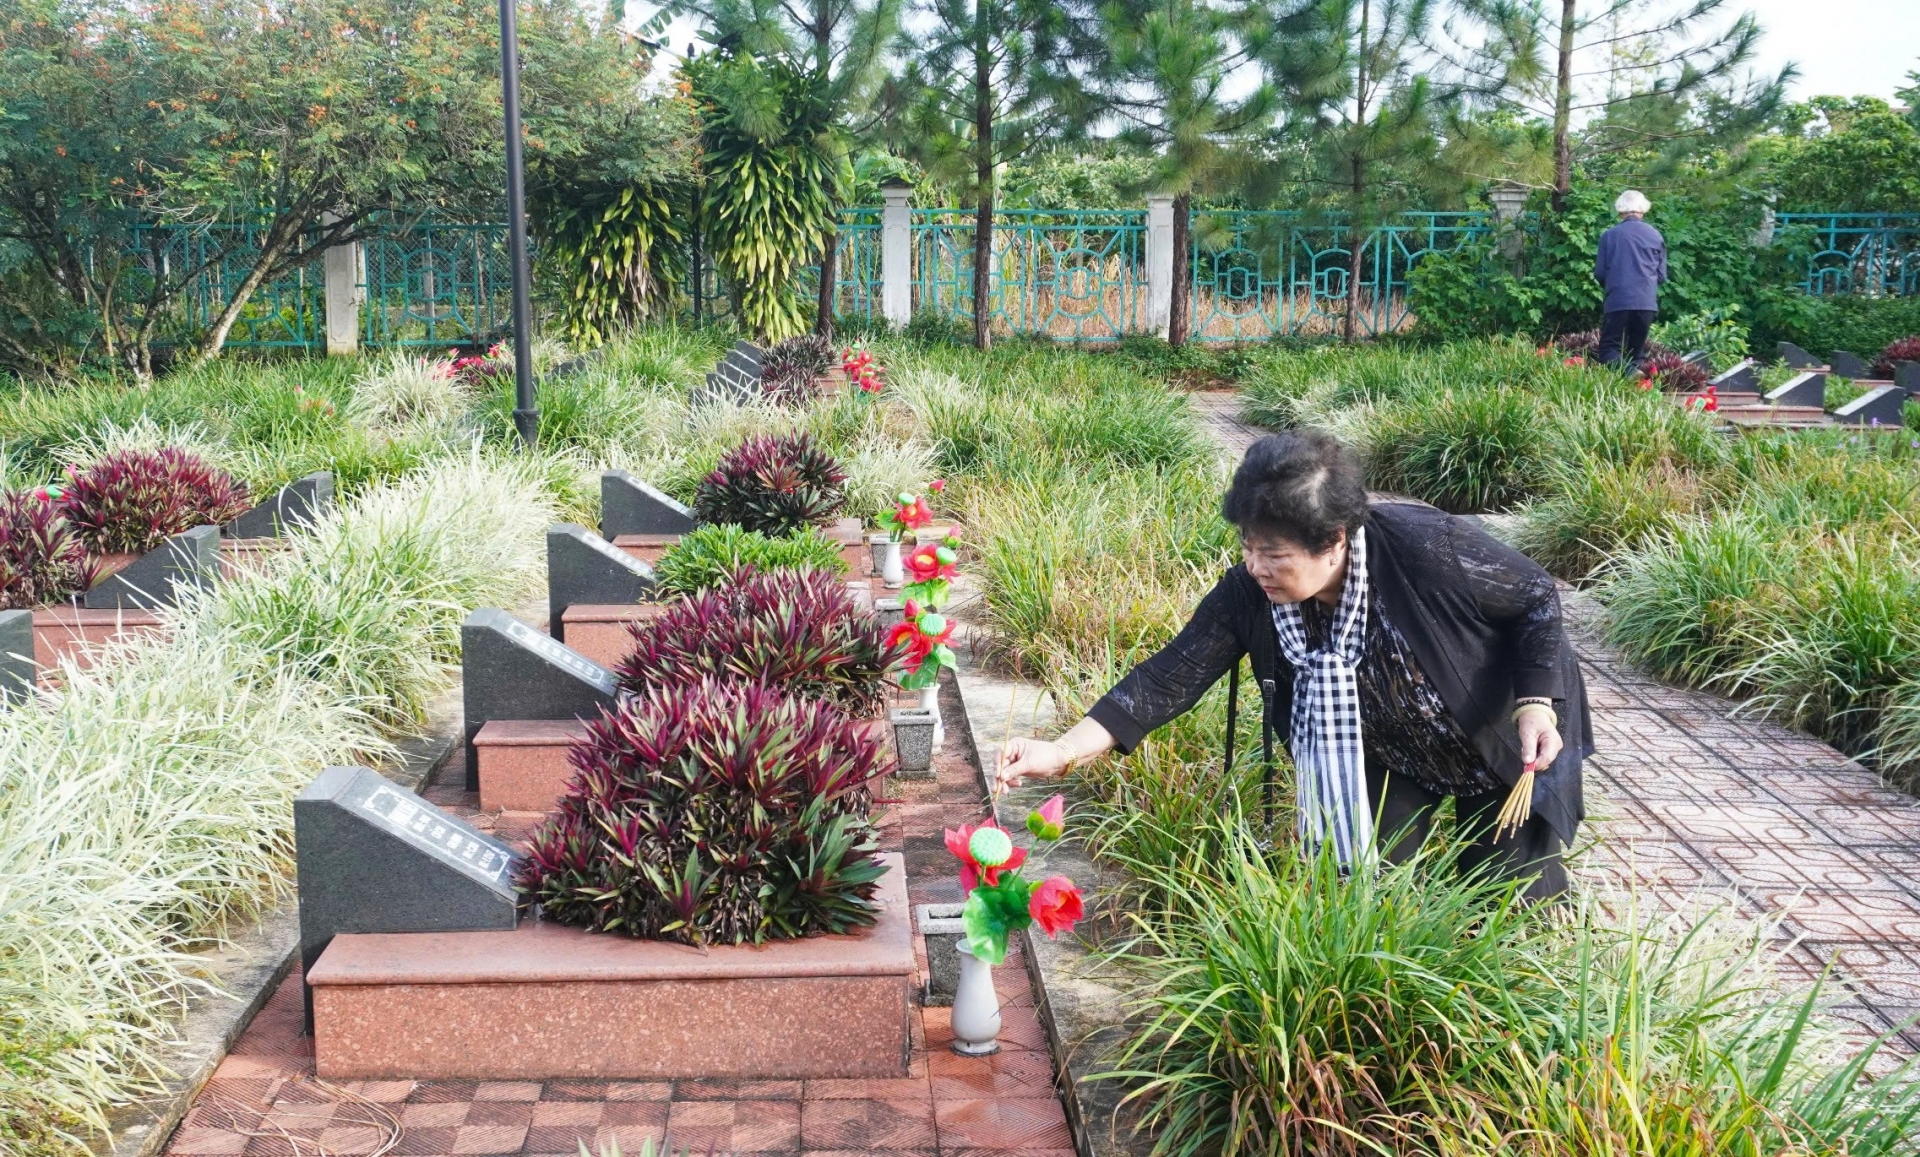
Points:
[[1540, 741], [1029, 759]]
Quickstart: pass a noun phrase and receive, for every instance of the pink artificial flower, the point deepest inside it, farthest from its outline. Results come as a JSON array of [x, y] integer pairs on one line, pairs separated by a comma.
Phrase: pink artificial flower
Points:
[[1056, 905], [1048, 821], [937, 485], [971, 872]]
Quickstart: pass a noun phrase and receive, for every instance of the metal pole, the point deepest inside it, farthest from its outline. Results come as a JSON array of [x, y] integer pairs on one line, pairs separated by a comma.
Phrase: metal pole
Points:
[[526, 412]]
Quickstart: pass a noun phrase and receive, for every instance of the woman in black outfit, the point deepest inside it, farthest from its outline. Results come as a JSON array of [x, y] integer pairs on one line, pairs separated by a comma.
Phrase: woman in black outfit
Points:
[[1403, 654]]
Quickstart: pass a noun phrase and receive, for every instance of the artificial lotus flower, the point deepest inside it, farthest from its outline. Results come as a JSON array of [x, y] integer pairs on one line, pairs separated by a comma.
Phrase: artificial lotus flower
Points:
[[1056, 905], [930, 571], [973, 872], [910, 512], [927, 636], [1575, 360], [1048, 821], [937, 485]]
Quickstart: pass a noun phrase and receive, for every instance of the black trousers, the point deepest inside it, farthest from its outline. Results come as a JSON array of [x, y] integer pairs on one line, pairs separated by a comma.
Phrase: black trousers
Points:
[[1405, 810], [1623, 336]]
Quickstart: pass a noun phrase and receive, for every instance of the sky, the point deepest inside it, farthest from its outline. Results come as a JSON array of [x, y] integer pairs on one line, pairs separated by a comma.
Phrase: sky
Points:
[[1842, 47]]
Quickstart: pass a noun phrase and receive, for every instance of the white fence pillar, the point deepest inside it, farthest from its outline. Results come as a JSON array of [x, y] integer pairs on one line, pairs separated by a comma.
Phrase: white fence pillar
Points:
[[341, 264], [896, 257], [1159, 262]]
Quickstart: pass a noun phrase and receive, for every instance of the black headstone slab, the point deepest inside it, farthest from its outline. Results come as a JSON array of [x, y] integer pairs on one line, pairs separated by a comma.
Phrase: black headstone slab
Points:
[[1741, 379], [1699, 358], [1797, 358], [1880, 406], [1848, 365], [582, 567], [296, 504], [1906, 375], [630, 506], [508, 670], [374, 857], [1809, 389], [16, 655], [728, 384], [749, 352], [188, 559]]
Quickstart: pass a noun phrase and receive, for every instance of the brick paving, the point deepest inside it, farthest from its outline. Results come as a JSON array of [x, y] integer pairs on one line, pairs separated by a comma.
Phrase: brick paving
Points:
[[264, 1100], [1693, 805]]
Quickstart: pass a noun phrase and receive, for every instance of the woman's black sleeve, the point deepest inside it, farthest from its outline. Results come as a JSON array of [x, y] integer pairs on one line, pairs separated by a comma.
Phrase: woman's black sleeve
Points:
[[1516, 597], [1171, 680]]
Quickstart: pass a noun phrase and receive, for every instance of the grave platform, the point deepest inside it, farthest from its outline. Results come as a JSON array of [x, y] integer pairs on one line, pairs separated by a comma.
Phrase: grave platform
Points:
[[599, 630], [544, 1002], [69, 632], [523, 762], [648, 548]]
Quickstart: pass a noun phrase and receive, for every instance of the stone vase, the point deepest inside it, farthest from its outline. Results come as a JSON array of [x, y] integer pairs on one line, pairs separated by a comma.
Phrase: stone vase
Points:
[[976, 1007], [892, 571]]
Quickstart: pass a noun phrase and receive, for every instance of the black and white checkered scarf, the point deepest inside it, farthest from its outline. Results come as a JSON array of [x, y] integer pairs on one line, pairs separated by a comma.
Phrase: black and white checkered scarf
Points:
[[1331, 780]]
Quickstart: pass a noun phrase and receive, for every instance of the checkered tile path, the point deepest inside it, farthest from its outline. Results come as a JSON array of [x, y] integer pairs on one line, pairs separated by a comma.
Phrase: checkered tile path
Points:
[[264, 1100], [1691, 803]]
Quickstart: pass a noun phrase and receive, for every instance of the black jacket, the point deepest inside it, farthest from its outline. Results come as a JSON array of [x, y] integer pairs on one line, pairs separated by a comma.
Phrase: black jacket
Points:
[[1482, 618]]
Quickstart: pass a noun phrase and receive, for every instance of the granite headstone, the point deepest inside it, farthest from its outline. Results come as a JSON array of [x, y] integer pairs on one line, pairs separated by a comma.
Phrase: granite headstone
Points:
[[16, 655], [630, 506], [1880, 406], [298, 503], [188, 559], [1906, 375], [582, 567], [1699, 358], [1808, 389], [509, 670], [1797, 358], [1740, 379], [1848, 365], [374, 857]]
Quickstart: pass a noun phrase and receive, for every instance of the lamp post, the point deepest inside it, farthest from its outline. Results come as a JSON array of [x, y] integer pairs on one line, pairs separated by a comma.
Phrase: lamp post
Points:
[[526, 411]]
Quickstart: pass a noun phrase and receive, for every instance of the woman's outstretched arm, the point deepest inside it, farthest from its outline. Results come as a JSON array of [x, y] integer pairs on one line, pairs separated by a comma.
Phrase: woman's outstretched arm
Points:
[[1045, 758]]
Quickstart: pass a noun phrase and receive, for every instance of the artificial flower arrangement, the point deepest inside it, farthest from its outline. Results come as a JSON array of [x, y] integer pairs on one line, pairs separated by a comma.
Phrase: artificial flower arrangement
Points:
[[933, 568], [312, 403], [475, 370], [1001, 901], [927, 636], [861, 369], [909, 513], [1706, 401]]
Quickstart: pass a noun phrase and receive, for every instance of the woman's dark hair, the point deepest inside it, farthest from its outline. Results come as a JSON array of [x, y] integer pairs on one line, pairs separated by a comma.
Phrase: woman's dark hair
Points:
[[1303, 486]]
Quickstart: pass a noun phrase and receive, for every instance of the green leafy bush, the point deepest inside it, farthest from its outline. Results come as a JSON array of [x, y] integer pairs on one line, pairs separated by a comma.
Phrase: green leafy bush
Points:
[[713, 812], [709, 556], [1822, 324], [1715, 332]]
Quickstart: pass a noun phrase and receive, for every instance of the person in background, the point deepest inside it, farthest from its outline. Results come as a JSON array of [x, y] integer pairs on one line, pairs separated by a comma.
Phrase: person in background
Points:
[[1629, 265]]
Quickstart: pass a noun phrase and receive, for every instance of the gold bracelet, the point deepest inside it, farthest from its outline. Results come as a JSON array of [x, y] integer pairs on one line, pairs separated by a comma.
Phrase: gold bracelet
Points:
[[1547, 707]]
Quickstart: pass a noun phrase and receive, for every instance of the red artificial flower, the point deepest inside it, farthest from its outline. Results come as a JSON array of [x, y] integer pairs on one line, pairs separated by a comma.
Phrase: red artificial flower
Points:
[[1646, 383], [971, 872], [1056, 905], [937, 485], [914, 515], [1575, 360], [925, 565]]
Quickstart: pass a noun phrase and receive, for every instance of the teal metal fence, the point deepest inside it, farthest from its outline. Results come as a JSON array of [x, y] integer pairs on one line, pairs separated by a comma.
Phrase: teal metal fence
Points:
[[1072, 275], [1876, 254]]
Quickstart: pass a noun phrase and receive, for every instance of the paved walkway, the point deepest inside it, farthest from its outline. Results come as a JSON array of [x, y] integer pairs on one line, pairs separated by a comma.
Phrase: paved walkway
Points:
[[264, 1100], [1694, 806]]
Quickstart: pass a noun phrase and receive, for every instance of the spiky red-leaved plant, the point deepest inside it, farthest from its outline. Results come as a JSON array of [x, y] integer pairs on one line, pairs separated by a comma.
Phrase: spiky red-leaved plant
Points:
[[133, 500], [1900, 349], [793, 367], [713, 812], [1670, 371], [799, 631], [41, 559], [774, 485]]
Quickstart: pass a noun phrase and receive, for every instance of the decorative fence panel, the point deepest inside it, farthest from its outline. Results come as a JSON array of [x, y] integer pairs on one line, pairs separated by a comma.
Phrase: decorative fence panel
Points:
[[1873, 254], [282, 314], [436, 284], [1263, 274], [1072, 275]]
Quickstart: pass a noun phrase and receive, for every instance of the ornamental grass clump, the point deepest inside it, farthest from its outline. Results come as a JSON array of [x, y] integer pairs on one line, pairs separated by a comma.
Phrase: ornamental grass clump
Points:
[[713, 812], [773, 484], [134, 500], [709, 556], [42, 560], [799, 631]]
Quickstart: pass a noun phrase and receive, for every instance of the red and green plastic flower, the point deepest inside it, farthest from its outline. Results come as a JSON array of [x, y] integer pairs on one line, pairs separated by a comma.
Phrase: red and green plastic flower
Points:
[[1056, 905], [1049, 820], [926, 636], [910, 512], [972, 871]]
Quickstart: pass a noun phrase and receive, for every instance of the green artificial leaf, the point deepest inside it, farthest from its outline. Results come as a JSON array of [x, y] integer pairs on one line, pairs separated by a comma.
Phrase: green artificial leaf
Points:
[[993, 913]]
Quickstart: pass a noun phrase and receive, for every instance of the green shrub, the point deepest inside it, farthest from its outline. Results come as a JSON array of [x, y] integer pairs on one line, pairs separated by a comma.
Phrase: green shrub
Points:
[[1717, 333], [1858, 323], [709, 555], [1462, 451]]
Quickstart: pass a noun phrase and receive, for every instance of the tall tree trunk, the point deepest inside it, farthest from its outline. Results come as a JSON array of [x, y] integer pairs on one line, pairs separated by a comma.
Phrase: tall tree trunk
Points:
[[278, 237], [1563, 108], [983, 175], [698, 253], [1356, 240], [829, 262], [1179, 305]]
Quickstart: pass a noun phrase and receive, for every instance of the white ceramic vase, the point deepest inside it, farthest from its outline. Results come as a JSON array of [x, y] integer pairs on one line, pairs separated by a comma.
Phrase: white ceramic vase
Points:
[[892, 572], [930, 701], [976, 1007]]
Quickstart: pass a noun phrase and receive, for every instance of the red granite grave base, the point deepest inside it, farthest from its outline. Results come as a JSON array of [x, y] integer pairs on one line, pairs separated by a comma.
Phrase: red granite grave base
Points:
[[648, 548], [544, 1002], [523, 762], [600, 631], [67, 632], [243, 556]]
